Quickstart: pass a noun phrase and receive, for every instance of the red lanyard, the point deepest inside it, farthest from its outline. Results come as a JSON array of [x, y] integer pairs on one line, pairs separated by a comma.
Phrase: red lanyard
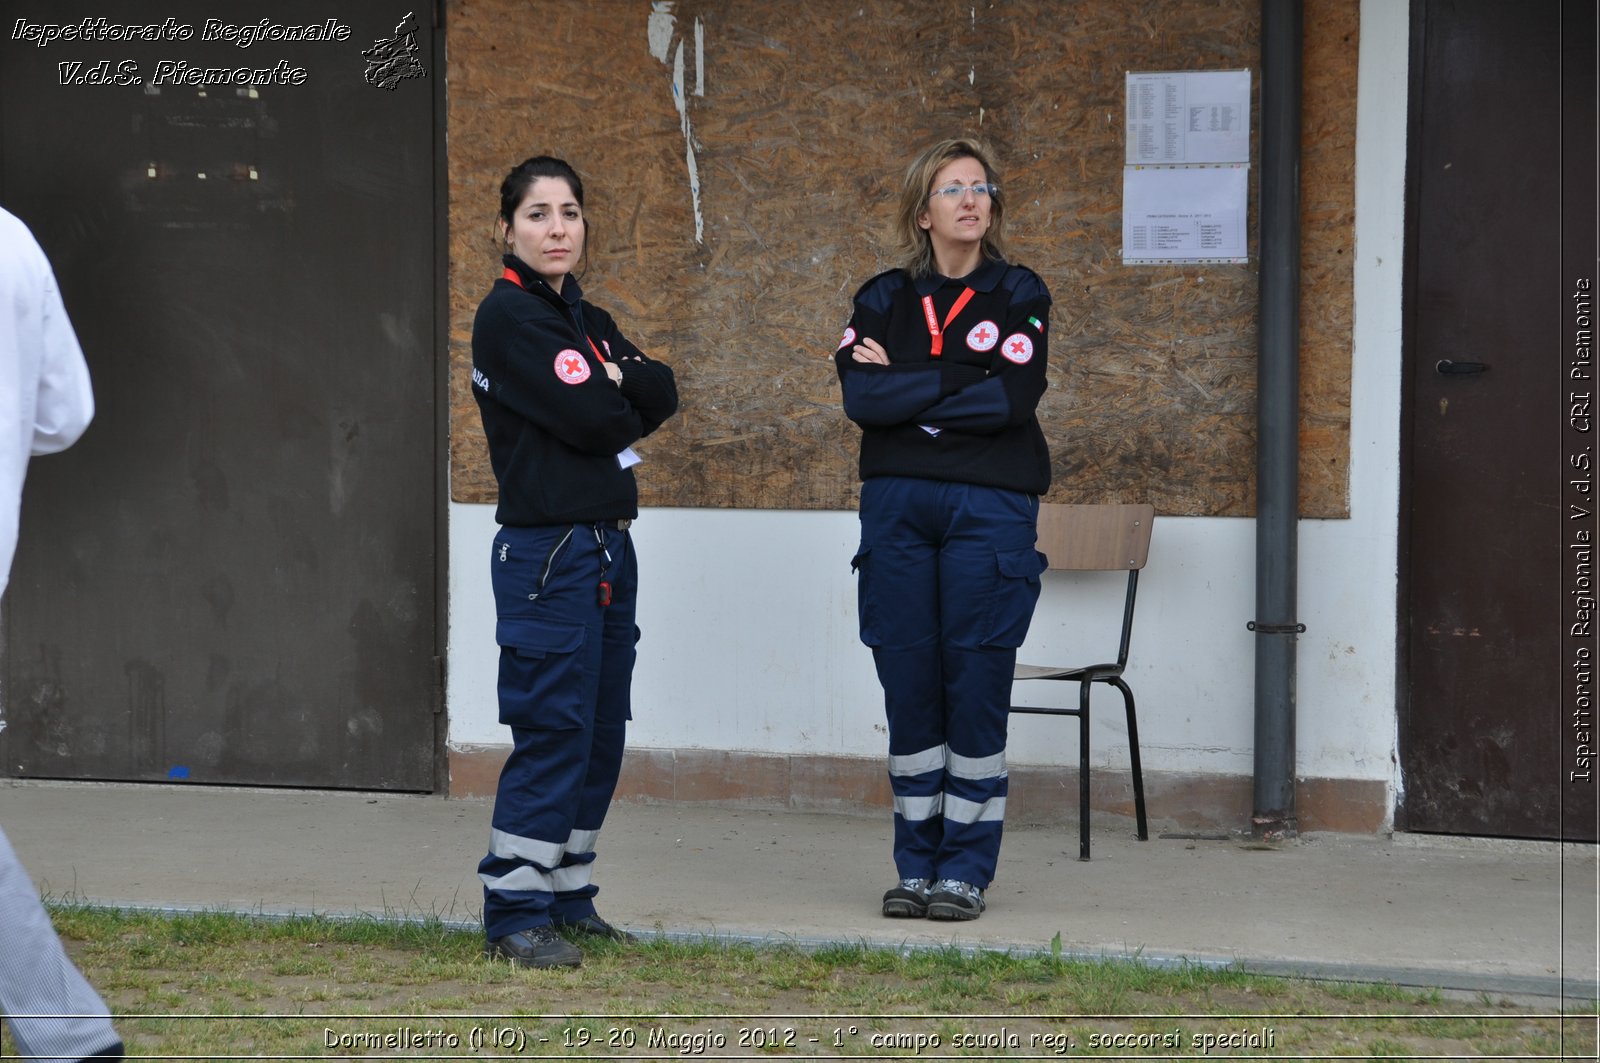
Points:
[[935, 329], [511, 275]]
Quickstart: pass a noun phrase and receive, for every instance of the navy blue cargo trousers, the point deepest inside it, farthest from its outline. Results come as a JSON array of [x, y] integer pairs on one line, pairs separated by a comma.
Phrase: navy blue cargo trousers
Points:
[[947, 580], [566, 668]]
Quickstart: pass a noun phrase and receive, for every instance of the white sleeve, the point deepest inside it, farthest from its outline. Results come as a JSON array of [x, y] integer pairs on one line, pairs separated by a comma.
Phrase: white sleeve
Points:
[[66, 401]]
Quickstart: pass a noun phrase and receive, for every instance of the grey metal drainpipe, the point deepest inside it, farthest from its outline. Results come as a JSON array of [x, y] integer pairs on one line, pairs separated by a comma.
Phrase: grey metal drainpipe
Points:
[[1278, 422]]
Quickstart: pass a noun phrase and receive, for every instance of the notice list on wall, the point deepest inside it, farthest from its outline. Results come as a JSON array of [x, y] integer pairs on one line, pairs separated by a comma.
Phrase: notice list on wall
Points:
[[1185, 178]]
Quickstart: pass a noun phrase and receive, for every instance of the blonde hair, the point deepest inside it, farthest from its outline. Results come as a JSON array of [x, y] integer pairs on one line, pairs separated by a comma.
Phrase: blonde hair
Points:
[[913, 244]]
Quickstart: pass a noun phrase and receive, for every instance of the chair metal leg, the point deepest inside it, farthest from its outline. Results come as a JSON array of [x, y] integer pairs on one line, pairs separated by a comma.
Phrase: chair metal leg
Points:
[[1133, 755], [1083, 769]]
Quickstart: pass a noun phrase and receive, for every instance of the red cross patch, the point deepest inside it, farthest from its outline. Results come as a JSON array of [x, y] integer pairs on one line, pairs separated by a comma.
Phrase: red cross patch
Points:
[[983, 336], [849, 338], [1018, 348], [572, 367]]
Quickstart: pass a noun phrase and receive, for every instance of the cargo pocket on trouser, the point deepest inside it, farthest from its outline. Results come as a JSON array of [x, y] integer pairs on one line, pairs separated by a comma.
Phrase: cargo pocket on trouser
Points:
[[869, 612], [1016, 592], [542, 681]]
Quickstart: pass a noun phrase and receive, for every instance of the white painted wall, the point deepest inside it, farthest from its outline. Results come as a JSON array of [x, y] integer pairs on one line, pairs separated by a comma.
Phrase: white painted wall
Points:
[[749, 616]]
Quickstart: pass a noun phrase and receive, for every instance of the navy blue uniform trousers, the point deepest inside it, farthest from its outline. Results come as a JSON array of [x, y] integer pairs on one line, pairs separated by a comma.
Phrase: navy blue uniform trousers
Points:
[[947, 579], [566, 667]]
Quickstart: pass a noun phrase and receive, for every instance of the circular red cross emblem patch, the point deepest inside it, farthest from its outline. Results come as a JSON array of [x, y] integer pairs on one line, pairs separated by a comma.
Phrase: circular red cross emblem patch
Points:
[[983, 336], [572, 367], [1018, 348]]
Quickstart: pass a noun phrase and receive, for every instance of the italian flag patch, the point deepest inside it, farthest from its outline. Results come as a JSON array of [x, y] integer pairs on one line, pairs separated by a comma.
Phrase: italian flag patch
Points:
[[1036, 323]]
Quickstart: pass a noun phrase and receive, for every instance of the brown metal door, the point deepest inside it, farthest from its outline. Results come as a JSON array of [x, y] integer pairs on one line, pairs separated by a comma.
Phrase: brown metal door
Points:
[[231, 579], [1484, 735]]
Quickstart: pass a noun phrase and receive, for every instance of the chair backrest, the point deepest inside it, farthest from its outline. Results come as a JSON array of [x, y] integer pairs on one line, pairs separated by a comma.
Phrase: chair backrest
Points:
[[1107, 537]]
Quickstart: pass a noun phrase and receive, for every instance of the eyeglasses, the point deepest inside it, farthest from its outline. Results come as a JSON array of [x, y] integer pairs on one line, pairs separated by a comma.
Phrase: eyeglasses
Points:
[[957, 191]]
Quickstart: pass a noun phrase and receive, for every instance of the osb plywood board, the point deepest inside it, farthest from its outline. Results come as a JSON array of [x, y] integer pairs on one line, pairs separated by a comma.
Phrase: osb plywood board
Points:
[[742, 159], [1327, 253]]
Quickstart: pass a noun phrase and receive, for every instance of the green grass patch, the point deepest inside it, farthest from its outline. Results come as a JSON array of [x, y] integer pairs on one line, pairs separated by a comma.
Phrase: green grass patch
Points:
[[222, 984]]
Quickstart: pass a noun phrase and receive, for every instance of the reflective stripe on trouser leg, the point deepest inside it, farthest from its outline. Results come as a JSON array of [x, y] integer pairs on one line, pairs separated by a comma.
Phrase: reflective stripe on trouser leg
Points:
[[38, 979], [917, 782], [550, 629], [897, 589], [978, 682], [986, 610], [911, 701], [613, 710], [527, 864]]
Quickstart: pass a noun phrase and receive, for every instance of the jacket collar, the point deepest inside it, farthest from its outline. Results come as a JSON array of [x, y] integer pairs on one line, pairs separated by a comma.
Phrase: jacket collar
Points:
[[982, 279], [571, 292]]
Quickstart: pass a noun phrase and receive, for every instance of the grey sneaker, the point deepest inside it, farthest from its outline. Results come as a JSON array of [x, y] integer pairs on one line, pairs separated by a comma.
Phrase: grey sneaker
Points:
[[955, 900], [538, 946], [908, 899]]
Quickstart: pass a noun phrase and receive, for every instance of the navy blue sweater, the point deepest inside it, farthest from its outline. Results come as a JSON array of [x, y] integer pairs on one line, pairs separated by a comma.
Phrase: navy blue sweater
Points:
[[554, 420], [967, 416]]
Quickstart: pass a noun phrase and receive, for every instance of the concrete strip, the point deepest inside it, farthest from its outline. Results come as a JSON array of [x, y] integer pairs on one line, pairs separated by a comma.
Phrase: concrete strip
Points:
[[1508, 918]]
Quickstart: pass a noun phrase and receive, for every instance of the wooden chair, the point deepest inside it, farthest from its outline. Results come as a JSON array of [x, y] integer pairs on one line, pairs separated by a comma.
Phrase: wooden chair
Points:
[[1095, 538]]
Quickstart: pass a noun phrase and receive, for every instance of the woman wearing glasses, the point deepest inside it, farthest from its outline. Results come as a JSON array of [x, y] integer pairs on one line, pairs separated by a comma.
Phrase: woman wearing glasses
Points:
[[942, 366], [563, 395]]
